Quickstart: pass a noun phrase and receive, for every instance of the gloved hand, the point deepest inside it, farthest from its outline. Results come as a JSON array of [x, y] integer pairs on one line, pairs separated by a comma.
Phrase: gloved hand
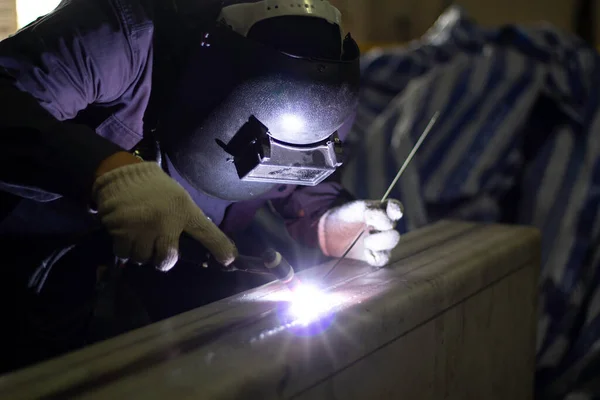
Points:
[[340, 226], [146, 211]]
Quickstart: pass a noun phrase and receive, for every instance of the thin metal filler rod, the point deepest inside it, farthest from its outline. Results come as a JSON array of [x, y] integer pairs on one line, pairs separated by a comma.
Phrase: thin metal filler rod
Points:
[[411, 155]]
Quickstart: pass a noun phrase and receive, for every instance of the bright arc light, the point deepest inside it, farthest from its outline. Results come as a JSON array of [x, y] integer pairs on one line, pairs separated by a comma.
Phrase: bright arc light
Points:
[[308, 304]]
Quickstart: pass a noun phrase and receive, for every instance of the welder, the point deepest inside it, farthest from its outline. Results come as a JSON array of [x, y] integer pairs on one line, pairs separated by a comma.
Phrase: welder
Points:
[[126, 123]]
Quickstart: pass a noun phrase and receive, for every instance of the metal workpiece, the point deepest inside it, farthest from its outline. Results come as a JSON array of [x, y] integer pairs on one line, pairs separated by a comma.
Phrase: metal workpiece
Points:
[[453, 315]]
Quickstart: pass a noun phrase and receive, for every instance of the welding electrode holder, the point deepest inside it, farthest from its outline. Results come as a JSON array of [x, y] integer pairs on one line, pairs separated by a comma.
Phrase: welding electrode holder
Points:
[[271, 263]]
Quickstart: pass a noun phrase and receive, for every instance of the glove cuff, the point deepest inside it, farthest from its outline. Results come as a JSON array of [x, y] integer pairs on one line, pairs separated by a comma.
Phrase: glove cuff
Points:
[[115, 161], [125, 177], [336, 235], [322, 234]]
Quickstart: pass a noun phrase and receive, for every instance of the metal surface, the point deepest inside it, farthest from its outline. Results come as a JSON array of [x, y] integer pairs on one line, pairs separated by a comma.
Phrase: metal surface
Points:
[[244, 348], [391, 187]]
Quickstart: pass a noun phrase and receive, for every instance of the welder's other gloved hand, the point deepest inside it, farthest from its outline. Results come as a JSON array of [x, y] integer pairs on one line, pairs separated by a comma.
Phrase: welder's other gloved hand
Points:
[[339, 227], [146, 211]]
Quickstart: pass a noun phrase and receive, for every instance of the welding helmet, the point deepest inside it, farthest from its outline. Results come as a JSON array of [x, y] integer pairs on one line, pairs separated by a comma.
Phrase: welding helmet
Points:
[[253, 111]]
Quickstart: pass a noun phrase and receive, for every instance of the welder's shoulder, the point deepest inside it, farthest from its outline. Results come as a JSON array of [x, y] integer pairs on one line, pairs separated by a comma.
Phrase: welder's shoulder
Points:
[[132, 25], [100, 47], [105, 30], [135, 15], [112, 21]]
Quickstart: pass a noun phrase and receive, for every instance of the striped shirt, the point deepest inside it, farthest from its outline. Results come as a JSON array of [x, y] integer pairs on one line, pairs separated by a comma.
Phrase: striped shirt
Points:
[[517, 140]]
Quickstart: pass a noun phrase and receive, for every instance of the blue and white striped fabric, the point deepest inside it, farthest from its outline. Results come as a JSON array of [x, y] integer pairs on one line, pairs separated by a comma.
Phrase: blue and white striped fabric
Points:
[[517, 140]]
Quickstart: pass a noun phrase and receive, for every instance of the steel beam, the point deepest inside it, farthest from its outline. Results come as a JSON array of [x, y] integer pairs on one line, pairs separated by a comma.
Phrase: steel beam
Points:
[[453, 316]]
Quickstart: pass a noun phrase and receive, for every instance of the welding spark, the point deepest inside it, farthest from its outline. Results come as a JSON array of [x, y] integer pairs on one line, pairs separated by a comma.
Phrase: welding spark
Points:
[[308, 304], [305, 311]]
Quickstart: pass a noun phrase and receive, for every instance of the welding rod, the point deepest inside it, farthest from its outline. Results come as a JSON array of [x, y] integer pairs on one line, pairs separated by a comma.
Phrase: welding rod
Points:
[[390, 188]]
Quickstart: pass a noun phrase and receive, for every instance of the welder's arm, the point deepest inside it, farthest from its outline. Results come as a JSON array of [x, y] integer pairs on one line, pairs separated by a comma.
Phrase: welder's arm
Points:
[[364, 228], [43, 158], [49, 72], [303, 208], [329, 218]]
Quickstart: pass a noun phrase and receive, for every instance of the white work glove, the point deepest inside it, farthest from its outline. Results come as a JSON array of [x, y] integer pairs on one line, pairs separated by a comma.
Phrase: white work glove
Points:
[[146, 211], [340, 226]]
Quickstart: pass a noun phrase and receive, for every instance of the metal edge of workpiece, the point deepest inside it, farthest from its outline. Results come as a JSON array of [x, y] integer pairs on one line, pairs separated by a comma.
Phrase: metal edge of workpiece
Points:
[[53, 369], [418, 241], [283, 375], [506, 249]]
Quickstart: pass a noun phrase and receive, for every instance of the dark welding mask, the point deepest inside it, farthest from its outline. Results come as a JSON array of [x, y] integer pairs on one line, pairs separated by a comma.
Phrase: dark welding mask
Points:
[[247, 115]]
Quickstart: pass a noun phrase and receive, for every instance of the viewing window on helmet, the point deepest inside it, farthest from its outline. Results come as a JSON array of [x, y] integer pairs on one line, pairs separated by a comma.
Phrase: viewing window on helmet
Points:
[[261, 102]]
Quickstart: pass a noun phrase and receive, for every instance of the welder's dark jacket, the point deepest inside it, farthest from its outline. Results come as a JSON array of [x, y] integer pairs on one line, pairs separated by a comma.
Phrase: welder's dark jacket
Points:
[[74, 87]]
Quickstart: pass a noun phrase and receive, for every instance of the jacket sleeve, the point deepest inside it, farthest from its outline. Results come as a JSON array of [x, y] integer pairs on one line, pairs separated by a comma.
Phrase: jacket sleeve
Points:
[[303, 208], [50, 71]]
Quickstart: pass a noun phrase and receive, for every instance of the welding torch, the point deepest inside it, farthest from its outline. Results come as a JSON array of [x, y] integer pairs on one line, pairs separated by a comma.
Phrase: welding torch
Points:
[[271, 263]]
